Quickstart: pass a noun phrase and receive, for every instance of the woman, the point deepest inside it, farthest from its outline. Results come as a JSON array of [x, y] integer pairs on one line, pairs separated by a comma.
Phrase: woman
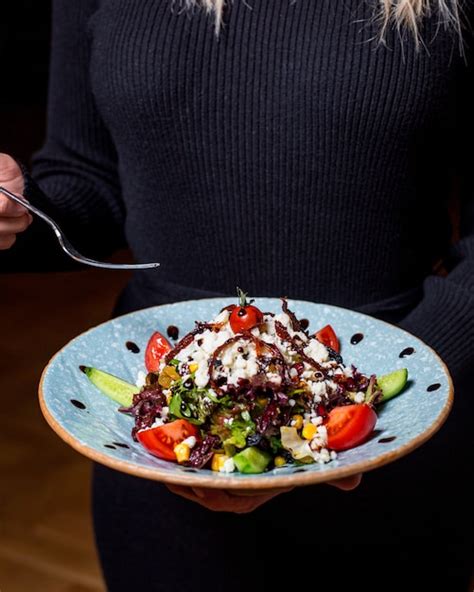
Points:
[[305, 148]]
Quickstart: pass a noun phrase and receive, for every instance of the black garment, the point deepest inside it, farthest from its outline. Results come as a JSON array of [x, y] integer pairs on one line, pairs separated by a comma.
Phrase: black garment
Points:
[[291, 155]]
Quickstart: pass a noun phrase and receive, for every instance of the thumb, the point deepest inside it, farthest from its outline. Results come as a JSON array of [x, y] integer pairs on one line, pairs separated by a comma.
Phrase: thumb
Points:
[[11, 176]]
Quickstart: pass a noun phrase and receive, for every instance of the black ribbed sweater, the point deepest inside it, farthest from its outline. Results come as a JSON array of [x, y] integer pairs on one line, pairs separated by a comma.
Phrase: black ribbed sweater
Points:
[[293, 155]]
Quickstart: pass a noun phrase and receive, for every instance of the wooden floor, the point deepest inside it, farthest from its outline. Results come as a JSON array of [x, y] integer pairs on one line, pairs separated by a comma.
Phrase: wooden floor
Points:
[[46, 540]]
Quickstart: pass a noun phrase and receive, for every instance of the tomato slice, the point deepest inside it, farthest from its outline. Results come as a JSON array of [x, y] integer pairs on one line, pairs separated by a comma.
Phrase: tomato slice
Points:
[[161, 441], [350, 425], [157, 347], [327, 336]]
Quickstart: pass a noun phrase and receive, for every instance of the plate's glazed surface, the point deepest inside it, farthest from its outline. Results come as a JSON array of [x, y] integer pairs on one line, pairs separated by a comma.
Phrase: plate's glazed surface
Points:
[[90, 423]]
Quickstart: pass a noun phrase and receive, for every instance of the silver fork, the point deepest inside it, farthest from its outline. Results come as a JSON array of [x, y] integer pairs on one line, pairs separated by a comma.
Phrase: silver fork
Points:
[[66, 245]]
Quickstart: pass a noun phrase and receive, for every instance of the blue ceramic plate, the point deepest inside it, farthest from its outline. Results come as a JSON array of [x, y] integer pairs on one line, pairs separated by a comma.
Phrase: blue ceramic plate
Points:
[[90, 423]]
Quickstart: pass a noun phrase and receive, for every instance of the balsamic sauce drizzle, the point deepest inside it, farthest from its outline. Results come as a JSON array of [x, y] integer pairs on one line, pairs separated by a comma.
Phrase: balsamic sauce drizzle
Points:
[[387, 440], [133, 347], [357, 338], [78, 404]]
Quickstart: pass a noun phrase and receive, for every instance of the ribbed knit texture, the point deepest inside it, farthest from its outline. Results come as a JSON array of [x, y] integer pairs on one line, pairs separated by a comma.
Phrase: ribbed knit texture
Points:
[[291, 156]]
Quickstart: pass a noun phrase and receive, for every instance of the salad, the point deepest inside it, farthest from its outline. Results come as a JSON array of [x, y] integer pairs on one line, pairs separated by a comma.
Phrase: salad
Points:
[[250, 391]]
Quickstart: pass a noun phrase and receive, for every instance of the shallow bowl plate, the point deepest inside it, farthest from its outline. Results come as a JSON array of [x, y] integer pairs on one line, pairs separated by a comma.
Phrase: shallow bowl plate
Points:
[[90, 423]]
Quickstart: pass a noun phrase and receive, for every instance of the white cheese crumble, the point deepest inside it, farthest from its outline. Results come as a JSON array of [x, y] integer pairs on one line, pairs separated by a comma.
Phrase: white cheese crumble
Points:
[[228, 466], [191, 441], [141, 379]]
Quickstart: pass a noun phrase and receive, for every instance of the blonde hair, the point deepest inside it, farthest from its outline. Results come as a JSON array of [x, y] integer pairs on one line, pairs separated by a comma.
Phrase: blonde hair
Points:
[[401, 13]]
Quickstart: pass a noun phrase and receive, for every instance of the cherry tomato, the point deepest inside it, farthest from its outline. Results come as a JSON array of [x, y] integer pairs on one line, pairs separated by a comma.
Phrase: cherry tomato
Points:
[[157, 347], [328, 337], [161, 441], [244, 318], [350, 425]]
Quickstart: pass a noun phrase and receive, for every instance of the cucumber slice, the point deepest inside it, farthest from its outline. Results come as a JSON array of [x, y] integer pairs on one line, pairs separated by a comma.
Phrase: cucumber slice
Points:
[[252, 460], [392, 384], [115, 388]]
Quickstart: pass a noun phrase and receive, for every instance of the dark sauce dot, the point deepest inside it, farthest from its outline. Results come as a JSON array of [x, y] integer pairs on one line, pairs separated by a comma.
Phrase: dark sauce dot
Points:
[[172, 332], [300, 470], [304, 324], [190, 470], [200, 342], [408, 351], [240, 349], [78, 404], [433, 387], [120, 444], [110, 446], [357, 338], [133, 347], [387, 440]]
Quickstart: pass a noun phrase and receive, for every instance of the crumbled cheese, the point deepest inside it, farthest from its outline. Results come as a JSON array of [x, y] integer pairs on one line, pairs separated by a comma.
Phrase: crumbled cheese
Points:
[[228, 466], [141, 379], [156, 424], [318, 388], [359, 397], [222, 317], [191, 441], [201, 378], [316, 350]]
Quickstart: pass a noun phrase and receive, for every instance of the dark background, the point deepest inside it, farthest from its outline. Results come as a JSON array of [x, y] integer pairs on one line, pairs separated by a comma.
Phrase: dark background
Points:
[[24, 53]]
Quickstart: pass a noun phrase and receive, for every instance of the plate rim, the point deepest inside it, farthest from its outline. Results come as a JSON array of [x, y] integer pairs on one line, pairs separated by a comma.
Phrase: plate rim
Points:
[[273, 481]]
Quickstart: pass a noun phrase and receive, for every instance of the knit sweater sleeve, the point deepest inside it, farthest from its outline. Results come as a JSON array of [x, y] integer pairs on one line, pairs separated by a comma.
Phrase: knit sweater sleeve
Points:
[[445, 316], [74, 176]]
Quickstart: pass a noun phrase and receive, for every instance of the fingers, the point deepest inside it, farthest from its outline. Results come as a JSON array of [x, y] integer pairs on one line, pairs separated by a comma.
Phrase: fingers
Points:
[[259, 493], [14, 225], [348, 483], [219, 500], [14, 218], [6, 242], [10, 209], [10, 227]]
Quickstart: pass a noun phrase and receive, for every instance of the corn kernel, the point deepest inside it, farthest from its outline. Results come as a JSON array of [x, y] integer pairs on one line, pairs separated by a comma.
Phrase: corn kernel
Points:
[[297, 421], [182, 452], [309, 431], [193, 367], [262, 401], [279, 461], [218, 461]]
